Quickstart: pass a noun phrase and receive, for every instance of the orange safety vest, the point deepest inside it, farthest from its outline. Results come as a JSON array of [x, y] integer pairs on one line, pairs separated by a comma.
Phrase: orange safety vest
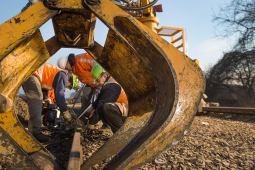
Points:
[[82, 68], [122, 101], [46, 74], [51, 96]]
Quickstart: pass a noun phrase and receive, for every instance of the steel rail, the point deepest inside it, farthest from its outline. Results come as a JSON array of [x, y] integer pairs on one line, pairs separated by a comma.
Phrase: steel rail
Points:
[[75, 157], [236, 110]]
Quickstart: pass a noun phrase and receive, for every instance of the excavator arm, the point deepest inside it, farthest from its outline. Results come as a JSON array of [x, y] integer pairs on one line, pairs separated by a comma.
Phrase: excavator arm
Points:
[[163, 85]]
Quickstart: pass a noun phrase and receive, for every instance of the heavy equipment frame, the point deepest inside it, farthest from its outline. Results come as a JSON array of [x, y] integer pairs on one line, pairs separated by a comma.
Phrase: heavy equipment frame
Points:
[[163, 85]]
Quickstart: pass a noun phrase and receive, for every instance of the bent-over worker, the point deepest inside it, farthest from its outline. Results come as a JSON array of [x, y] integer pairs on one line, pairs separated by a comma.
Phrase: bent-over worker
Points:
[[47, 77], [81, 65]]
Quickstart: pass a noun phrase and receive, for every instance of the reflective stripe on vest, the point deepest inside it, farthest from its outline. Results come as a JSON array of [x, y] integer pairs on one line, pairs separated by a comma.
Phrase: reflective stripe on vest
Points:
[[122, 101], [46, 74], [93, 62], [82, 68], [86, 60]]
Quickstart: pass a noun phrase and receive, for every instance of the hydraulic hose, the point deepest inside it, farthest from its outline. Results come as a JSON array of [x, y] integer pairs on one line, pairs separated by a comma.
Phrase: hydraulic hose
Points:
[[128, 2], [138, 8]]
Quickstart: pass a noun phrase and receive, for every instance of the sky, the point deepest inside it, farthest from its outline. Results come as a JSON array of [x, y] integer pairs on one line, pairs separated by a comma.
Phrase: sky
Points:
[[195, 16]]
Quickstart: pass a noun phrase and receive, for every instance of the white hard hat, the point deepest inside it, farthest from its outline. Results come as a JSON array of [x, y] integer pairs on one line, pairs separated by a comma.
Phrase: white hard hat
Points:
[[62, 62]]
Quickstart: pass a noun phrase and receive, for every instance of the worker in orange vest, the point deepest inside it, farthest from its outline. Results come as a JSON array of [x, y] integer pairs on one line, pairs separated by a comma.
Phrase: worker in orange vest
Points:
[[48, 77], [48, 97], [81, 65], [111, 104]]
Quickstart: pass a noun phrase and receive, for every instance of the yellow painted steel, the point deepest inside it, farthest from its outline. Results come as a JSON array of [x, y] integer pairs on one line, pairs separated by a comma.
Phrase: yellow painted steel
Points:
[[67, 4], [22, 26], [189, 80], [17, 132], [148, 10], [22, 51], [174, 40], [197, 61], [190, 87], [150, 21], [163, 85], [12, 155], [15, 69]]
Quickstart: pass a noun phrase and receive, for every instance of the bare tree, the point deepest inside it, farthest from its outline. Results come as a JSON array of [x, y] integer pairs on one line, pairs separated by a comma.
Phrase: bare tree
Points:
[[235, 69], [238, 18]]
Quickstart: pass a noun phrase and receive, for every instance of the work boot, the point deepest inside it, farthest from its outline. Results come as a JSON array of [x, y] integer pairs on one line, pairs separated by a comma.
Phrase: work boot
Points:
[[41, 137]]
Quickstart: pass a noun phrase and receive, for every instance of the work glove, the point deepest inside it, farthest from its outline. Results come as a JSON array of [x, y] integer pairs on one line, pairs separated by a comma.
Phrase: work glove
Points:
[[47, 102], [67, 116]]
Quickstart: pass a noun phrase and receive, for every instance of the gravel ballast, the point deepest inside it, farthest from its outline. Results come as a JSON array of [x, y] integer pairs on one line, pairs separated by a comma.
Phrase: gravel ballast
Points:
[[214, 141]]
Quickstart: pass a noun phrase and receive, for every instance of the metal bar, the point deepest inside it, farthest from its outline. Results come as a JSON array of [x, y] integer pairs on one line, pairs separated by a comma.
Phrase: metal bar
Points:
[[171, 28], [75, 154], [78, 96], [179, 46], [174, 41], [236, 110], [53, 45], [75, 122], [176, 32], [183, 42], [95, 51]]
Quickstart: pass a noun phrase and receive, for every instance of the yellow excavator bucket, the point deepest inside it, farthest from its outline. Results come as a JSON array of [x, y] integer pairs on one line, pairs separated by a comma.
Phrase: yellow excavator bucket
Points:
[[163, 85]]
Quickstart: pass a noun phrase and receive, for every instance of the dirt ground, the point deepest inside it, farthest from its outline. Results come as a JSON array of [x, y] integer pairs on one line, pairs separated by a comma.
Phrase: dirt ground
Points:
[[215, 141]]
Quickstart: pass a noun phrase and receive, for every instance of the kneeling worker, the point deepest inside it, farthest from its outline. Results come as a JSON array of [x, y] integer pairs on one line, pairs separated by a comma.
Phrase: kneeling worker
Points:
[[111, 104], [47, 77]]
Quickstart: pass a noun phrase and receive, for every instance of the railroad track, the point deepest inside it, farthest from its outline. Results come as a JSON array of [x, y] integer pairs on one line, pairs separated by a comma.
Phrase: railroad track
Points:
[[234, 110], [75, 157]]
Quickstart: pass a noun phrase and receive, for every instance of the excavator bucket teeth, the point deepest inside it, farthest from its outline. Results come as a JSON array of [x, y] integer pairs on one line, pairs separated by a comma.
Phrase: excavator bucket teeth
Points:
[[164, 88]]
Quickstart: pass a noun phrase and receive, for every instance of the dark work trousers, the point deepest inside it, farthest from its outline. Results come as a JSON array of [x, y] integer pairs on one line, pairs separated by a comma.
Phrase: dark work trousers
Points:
[[113, 116], [33, 91]]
